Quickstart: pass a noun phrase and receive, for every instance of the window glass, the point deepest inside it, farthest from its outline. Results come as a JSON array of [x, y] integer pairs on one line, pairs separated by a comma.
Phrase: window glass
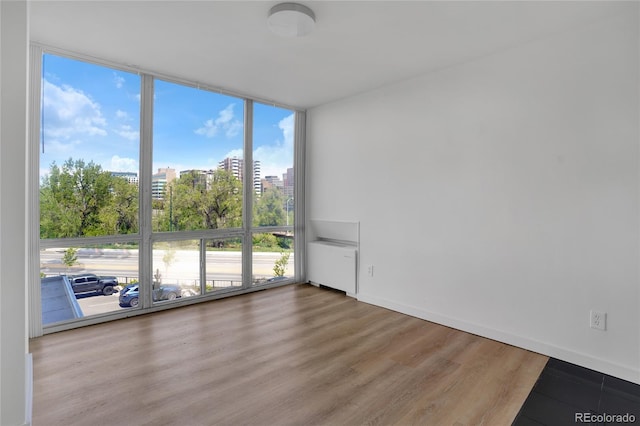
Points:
[[273, 131], [273, 258], [89, 154], [197, 159], [89, 178], [82, 281], [223, 264], [176, 270]]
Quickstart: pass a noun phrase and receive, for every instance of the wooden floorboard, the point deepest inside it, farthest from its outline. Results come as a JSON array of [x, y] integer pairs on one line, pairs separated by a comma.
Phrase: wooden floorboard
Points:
[[293, 355]]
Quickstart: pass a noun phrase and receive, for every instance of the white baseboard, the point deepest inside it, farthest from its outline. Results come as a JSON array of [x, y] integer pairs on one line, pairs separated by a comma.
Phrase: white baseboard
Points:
[[624, 372]]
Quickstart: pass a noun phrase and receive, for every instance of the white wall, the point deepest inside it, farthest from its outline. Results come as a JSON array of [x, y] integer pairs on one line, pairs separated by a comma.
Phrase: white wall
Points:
[[13, 278], [500, 196]]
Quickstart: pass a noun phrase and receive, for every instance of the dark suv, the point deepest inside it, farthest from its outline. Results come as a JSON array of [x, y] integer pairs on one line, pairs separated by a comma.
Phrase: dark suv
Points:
[[85, 283]]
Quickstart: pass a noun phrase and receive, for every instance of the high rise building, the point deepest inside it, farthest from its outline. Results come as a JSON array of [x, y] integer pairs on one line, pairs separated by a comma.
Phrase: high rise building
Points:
[[235, 166], [159, 182], [203, 177], [289, 183], [256, 177]]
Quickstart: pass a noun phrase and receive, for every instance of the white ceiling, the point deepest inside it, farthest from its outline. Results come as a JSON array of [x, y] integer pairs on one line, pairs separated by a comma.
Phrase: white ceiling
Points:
[[356, 45]]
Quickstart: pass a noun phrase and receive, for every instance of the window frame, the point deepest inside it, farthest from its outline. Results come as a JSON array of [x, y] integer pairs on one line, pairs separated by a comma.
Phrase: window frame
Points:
[[145, 238]]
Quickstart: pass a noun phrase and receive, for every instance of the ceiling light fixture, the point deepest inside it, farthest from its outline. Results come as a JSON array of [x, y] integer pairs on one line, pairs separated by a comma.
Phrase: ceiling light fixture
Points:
[[291, 20]]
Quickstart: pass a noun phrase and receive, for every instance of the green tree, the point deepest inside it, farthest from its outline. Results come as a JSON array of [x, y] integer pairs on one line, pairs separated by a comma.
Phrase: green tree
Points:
[[269, 209], [201, 203], [265, 240], [70, 257], [280, 266], [168, 258], [80, 199], [120, 216]]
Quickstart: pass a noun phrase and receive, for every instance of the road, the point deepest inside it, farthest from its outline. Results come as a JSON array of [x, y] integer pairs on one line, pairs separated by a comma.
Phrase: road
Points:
[[92, 303], [175, 266]]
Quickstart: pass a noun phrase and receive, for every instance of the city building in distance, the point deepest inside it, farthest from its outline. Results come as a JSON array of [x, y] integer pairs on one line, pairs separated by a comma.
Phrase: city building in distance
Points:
[[235, 166], [131, 177], [159, 182]]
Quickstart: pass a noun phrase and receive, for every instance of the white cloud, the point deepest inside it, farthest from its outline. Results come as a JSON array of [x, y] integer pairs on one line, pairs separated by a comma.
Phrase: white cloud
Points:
[[128, 132], [118, 80], [234, 153], [122, 164], [276, 158], [226, 115], [233, 129], [287, 126], [62, 149], [225, 121], [209, 130], [69, 113], [123, 115]]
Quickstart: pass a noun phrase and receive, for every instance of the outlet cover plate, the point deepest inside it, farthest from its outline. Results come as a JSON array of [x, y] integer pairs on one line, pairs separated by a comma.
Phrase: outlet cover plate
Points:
[[598, 320]]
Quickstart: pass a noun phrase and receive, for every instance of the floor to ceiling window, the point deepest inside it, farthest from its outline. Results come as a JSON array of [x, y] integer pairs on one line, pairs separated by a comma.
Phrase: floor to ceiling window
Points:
[[153, 191], [274, 197], [89, 195], [197, 187]]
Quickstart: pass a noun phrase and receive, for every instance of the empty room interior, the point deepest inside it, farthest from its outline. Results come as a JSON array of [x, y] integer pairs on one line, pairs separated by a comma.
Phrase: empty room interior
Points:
[[320, 212]]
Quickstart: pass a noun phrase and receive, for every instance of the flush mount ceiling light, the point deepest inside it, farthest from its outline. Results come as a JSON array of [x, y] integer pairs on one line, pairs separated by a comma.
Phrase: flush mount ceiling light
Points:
[[291, 20]]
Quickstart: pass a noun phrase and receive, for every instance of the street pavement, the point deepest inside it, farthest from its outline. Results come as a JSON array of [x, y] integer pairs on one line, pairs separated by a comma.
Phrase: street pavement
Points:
[[175, 267]]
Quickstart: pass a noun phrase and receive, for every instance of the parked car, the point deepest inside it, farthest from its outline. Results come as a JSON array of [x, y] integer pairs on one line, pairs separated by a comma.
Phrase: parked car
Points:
[[276, 279], [85, 283], [129, 295]]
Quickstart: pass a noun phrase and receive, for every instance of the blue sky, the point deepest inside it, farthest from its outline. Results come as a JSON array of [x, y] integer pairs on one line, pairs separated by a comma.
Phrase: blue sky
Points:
[[93, 113]]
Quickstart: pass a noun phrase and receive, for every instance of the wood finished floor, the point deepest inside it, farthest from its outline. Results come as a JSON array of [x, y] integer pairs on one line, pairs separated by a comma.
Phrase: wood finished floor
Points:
[[294, 355]]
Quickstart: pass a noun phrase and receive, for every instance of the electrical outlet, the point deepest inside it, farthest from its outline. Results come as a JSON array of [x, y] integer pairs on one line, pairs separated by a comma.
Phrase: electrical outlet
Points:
[[370, 270], [598, 320]]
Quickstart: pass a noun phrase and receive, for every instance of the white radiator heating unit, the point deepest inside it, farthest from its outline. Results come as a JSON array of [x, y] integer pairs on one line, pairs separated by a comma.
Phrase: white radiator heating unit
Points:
[[332, 255]]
